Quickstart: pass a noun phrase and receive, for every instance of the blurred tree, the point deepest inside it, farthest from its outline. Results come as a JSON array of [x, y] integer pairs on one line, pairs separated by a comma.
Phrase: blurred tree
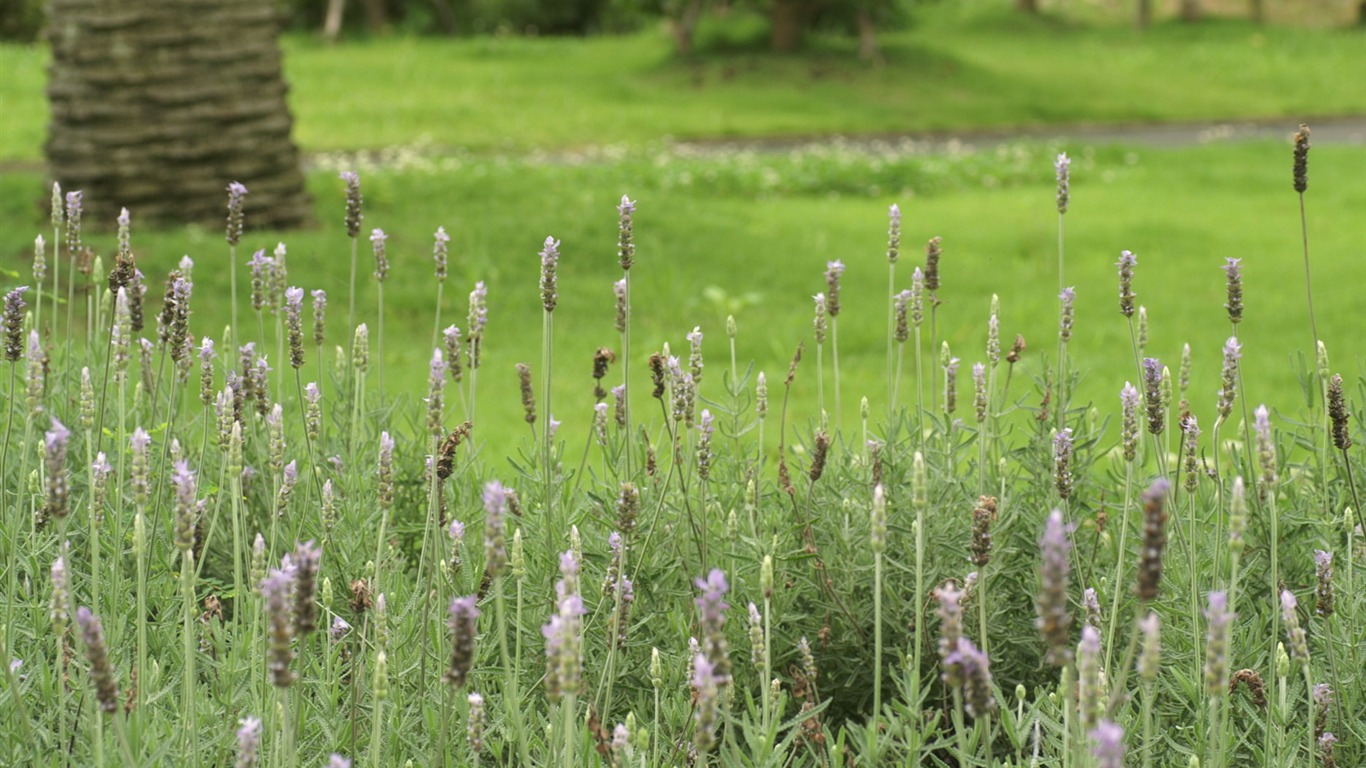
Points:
[[1190, 10], [158, 105], [683, 16], [1145, 13], [1027, 6]]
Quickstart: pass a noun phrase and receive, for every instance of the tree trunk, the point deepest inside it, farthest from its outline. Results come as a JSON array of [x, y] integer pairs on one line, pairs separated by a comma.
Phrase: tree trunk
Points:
[[788, 18], [684, 25], [867, 35], [1190, 10], [1027, 6], [1145, 13], [332, 22], [158, 106], [1257, 10], [375, 17]]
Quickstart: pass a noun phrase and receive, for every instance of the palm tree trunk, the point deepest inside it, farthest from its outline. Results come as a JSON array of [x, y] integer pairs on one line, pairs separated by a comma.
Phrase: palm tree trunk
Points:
[[158, 105]]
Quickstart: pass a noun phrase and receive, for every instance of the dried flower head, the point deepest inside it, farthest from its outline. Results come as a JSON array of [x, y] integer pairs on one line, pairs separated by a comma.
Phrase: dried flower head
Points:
[[933, 250], [1300, 171], [1338, 414], [101, 672]]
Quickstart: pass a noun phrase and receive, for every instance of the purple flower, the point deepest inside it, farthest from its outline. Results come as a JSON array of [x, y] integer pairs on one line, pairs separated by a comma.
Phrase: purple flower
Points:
[[893, 233], [1154, 539], [58, 477], [236, 191], [73, 221], [950, 630], [1108, 744], [12, 323], [1088, 676], [339, 628], [248, 742], [1055, 619], [564, 656], [1299, 644], [1323, 589], [1062, 167], [337, 761], [353, 202], [550, 259], [319, 316], [1266, 449], [626, 248], [495, 544], [377, 238], [1152, 395], [974, 671], [1150, 657], [1127, 262], [1229, 378], [711, 610], [464, 616], [1062, 462], [186, 502], [833, 271], [261, 268], [707, 683], [1068, 298], [276, 588], [1218, 619], [306, 559], [1128, 399], [1234, 282], [101, 672], [439, 250]]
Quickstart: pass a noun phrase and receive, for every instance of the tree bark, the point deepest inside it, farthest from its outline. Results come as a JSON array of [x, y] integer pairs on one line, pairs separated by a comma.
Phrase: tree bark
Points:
[[1027, 6], [1190, 10], [158, 105], [684, 25], [1257, 10], [867, 35], [332, 22], [1145, 13], [789, 21]]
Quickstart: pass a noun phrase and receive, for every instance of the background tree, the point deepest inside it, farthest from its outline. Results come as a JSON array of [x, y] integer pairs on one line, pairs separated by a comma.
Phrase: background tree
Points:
[[157, 106]]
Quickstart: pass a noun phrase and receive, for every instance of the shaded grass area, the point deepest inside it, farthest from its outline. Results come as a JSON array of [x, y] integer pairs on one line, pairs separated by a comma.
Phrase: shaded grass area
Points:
[[745, 236], [947, 72]]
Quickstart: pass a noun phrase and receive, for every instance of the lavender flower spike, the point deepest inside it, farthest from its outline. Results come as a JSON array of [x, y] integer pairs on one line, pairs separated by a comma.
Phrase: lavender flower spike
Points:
[[58, 476], [1055, 618], [707, 685], [1299, 643], [833, 271], [236, 191], [440, 247], [275, 588], [464, 616], [1233, 274], [1127, 262], [711, 609], [248, 742], [377, 239], [12, 323], [550, 259], [1108, 745], [893, 233], [353, 203], [1218, 619], [1062, 166], [564, 655], [495, 546], [101, 672]]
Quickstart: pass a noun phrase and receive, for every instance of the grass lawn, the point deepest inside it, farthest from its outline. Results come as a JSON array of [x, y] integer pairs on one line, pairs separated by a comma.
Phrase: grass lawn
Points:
[[747, 236], [950, 71]]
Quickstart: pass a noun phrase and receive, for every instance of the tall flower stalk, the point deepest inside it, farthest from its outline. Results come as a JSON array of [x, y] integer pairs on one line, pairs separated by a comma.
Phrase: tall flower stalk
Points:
[[550, 259]]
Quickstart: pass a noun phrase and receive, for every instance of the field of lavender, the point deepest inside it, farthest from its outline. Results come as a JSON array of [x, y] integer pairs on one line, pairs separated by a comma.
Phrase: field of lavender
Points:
[[246, 546]]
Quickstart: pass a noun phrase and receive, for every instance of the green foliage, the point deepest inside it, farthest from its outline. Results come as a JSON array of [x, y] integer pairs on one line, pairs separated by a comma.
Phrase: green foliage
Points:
[[21, 20]]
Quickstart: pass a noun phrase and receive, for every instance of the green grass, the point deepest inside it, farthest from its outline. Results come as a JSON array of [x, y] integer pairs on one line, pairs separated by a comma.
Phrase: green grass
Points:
[[749, 235], [981, 69]]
